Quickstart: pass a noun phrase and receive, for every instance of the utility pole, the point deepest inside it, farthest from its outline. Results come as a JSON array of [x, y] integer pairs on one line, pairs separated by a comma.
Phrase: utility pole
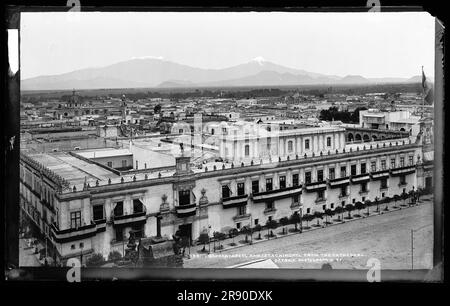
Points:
[[412, 249]]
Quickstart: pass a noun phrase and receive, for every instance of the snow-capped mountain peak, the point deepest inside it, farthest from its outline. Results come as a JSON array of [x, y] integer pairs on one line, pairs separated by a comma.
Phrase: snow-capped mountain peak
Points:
[[259, 59]]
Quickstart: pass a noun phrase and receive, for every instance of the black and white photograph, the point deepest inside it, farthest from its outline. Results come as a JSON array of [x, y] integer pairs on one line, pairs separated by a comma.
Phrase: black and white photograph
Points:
[[254, 140]]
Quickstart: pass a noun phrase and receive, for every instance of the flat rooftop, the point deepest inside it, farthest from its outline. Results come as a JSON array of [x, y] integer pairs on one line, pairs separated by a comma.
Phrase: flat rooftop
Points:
[[71, 168], [104, 152]]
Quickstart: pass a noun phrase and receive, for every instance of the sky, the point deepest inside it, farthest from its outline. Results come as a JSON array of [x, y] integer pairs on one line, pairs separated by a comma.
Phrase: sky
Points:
[[366, 44]]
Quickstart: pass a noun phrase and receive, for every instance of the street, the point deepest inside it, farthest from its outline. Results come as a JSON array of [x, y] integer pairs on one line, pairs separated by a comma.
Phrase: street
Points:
[[386, 237]]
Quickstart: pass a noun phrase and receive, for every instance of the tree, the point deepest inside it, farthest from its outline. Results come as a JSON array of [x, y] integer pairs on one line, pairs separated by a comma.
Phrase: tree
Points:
[[295, 218], [359, 206], [246, 231], [114, 256], [339, 210], [396, 198], [258, 228], [95, 260], [233, 233], [349, 208], [219, 236], [203, 239], [318, 215], [270, 225], [308, 218], [328, 213], [368, 203], [284, 222]]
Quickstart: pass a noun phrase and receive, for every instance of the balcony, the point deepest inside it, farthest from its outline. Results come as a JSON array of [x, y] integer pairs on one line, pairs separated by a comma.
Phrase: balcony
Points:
[[360, 178], [320, 201], [73, 234], [343, 195], [130, 219], [236, 201], [363, 192], [277, 194], [186, 210], [403, 170], [339, 182], [316, 186], [241, 217], [379, 175], [269, 211], [402, 184]]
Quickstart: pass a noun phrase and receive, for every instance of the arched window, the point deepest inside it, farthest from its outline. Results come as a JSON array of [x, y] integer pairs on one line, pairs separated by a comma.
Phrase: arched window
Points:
[[290, 146]]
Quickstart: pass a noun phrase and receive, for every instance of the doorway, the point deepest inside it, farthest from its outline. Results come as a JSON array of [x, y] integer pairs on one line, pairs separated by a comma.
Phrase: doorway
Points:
[[186, 230]]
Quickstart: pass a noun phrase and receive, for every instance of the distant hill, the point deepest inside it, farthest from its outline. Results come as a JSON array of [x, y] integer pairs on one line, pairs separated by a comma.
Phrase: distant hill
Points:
[[159, 73]]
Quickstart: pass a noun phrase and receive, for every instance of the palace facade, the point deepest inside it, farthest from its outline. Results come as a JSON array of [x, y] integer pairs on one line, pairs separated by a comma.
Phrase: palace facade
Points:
[[85, 207]]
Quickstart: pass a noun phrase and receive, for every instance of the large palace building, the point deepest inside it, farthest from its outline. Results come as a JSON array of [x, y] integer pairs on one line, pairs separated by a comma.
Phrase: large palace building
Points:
[[84, 205]]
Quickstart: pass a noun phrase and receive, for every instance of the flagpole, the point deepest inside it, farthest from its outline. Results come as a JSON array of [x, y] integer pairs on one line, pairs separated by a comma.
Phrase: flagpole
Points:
[[423, 93]]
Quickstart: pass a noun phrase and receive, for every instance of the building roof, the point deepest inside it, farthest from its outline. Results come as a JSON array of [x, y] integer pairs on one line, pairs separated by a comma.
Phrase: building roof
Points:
[[71, 168], [102, 153]]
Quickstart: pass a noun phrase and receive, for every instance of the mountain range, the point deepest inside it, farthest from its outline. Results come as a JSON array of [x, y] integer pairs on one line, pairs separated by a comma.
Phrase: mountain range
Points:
[[160, 73]]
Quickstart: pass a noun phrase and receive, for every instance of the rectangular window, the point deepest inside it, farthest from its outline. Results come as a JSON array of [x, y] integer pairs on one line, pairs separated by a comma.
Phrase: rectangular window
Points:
[[296, 199], [138, 206], [238, 225], [392, 163], [320, 195], [373, 166], [308, 177], [110, 164], [308, 210], [240, 188], [411, 160], [75, 219], [363, 168], [353, 169], [343, 191], [124, 163], [184, 197], [138, 230], [319, 175], [269, 184], [343, 171], [118, 209], [97, 212], [402, 161], [268, 144], [307, 144], [383, 183], [242, 210], [295, 179], [383, 164], [255, 186], [290, 146], [256, 221], [269, 205], [247, 150], [402, 179], [119, 234], [364, 187], [328, 141], [225, 191], [282, 182], [331, 173]]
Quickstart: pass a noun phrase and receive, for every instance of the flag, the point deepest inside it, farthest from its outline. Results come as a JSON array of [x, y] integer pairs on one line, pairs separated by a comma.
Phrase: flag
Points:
[[427, 90]]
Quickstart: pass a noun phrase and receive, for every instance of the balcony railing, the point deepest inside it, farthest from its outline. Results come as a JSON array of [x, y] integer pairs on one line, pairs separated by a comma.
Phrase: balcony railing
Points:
[[241, 217], [378, 175], [339, 182], [277, 194], [403, 170], [316, 186], [73, 234], [127, 219], [320, 200], [236, 201], [269, 211], [360, 178], [186, 210]]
